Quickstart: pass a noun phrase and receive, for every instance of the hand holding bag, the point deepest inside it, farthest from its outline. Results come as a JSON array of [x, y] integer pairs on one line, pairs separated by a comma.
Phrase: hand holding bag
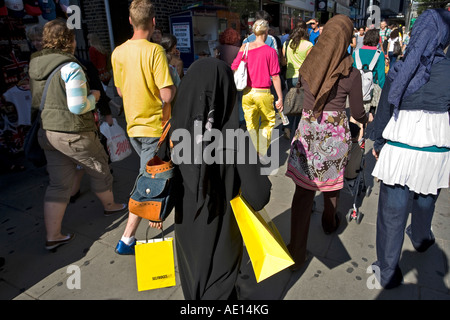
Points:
[[152, 196], [155, 263], [32, 149], [240, 75], [264, 244], [117, 141]]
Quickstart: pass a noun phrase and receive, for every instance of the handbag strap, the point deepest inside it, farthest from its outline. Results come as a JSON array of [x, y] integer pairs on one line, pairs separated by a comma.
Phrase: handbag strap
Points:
[[358, 60], [47, 84], [164, 135], [245, 54], [374, 60]]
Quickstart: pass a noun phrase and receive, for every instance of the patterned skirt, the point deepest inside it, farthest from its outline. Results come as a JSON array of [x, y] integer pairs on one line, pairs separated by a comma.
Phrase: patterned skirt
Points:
[[319, 151]]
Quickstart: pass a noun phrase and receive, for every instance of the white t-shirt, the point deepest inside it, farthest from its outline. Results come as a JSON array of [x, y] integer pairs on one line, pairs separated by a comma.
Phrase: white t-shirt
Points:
[[22, 100], [391, 44]]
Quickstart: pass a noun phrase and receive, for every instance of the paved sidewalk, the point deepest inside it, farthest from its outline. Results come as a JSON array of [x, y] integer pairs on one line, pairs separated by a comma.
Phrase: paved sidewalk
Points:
[[336, 271]]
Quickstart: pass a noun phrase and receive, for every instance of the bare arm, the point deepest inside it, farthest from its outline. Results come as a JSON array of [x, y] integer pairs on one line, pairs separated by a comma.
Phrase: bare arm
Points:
[[277, 85], [167, 93]]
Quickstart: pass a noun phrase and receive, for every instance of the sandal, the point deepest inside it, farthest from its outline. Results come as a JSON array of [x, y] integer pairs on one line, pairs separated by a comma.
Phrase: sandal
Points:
[[124, 209], [53, 244]]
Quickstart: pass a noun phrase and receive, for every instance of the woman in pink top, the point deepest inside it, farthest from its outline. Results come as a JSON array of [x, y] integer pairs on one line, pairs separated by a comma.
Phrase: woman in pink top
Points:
[[257, 101]]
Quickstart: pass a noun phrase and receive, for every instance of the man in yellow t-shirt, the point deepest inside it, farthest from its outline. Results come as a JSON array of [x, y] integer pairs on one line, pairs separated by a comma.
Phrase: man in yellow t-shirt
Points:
[[140, 83], [142, 78]]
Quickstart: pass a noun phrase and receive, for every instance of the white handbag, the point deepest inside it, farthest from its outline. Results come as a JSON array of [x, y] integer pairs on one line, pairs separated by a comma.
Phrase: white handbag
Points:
[[240, 75]]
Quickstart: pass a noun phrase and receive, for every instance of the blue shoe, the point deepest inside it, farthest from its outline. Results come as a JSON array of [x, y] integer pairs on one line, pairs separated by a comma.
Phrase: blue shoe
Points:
[[124, 249]]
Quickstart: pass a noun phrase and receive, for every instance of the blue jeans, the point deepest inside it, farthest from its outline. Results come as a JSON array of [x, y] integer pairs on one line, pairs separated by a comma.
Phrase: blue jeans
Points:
[[392, 59], [393, 211], [293, 120], [145, 148]]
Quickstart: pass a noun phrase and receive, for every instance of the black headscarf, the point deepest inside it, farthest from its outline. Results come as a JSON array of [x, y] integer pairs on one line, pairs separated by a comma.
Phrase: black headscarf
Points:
[[206, 98]]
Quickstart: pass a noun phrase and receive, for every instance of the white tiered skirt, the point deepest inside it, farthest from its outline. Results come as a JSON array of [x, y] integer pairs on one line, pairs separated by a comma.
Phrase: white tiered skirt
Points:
[[421, 171]]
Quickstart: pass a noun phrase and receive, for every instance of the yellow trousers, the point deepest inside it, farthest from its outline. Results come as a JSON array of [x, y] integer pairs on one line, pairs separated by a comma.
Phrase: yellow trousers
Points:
[[259, 115]]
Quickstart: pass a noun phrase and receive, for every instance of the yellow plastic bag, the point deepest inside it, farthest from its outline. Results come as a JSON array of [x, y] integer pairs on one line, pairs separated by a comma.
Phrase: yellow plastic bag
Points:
[[264, 244], [155, 264]]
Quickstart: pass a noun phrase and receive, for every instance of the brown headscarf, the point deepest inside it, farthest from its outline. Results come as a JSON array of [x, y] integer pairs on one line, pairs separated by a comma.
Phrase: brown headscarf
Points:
[[328, 60]]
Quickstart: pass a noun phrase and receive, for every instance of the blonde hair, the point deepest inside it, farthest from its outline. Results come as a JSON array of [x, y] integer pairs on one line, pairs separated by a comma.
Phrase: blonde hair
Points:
[[141, 13], [95, 42], [260, 27]]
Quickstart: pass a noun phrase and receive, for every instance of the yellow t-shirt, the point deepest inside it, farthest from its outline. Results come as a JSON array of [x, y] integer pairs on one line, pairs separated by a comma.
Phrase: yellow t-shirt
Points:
[[140, 70]]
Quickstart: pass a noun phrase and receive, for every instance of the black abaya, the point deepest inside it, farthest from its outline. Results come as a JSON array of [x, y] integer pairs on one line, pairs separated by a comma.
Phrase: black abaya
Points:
[[209, 245]]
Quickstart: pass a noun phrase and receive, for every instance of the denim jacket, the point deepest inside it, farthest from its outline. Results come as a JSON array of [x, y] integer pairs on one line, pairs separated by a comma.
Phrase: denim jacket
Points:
[[433, 96]]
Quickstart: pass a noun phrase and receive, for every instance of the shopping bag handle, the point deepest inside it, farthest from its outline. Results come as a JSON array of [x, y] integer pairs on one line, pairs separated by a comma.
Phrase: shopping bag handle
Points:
[[146, 234]]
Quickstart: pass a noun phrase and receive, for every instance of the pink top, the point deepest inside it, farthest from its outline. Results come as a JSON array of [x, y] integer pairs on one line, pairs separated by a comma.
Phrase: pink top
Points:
[[369, 47], [262, 63]]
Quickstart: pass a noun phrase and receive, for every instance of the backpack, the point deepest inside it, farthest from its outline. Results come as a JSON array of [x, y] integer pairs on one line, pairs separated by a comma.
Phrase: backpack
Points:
[[367, 74]]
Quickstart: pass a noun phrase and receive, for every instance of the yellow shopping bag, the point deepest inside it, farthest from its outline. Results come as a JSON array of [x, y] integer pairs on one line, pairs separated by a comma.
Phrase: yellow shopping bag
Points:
[[155, 264], [264, 244]]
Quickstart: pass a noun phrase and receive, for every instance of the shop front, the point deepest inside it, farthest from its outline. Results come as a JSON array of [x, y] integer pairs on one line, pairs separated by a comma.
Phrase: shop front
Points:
[[294, 11], [197, 30]]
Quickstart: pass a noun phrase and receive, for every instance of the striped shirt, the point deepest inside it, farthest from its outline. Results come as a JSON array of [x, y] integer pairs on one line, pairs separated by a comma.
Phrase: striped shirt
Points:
[[78, 99]]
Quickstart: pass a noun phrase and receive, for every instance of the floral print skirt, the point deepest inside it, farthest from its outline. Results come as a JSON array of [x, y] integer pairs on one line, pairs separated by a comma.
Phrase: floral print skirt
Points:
[[319, 151]]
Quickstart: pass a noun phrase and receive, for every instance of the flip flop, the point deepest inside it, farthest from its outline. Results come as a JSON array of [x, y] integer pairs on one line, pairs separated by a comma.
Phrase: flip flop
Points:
[[53, 244]]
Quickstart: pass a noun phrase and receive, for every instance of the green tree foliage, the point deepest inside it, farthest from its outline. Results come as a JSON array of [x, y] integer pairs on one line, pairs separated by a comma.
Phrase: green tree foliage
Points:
[[431, 4], [245, 8]]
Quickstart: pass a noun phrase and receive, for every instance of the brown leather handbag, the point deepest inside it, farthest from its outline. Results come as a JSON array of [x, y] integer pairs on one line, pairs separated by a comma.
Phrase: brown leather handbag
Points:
[[152, 197], [293, 102]]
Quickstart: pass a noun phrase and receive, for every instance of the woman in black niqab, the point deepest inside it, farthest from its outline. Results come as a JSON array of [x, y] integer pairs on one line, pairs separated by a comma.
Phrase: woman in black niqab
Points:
[[208, 241]]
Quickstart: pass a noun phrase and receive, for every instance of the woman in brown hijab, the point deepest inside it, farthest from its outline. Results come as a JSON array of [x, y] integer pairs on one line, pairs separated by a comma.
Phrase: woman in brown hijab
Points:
[[322, 140]]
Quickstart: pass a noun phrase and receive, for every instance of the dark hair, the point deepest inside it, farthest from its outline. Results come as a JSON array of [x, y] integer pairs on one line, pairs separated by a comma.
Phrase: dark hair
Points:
[[299, 33], [372, 38], [168, 42], [394, 34], [263, 15]]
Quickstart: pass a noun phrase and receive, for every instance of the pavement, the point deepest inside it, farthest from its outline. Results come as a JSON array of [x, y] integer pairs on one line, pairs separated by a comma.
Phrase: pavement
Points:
[[337, 270]]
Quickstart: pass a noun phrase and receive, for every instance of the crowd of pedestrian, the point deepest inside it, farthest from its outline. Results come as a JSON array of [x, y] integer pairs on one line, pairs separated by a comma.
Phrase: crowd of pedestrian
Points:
[[409, 107]]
